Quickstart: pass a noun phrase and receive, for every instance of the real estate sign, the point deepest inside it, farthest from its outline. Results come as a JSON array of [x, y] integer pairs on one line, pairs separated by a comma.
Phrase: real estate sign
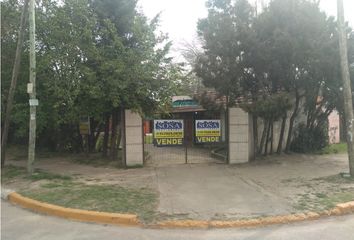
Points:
[[168, 132], [84, 126], [207, 131]]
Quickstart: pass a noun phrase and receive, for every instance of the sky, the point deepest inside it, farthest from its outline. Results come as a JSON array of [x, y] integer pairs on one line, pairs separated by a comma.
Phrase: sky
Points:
[[179, 17]]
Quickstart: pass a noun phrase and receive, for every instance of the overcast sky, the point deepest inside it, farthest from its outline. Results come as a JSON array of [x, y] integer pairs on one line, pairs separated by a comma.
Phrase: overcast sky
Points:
[[179, 17]]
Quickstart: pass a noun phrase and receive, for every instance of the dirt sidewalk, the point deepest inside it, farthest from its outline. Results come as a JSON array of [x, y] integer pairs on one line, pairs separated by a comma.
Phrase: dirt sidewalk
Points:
[[271, 186]]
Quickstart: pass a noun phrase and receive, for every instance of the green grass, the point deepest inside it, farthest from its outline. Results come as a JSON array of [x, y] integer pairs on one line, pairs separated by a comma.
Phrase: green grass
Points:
[[107, 198], [19, 153], [11, 172], [336, 179], [16, 152], [339, 190], [322, 201], [41, 175], [96, 160], [58, 184], [328, 201], [334, 148]]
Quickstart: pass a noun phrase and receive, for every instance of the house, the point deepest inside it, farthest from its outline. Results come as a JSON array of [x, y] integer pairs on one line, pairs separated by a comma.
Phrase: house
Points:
[[189, 110]]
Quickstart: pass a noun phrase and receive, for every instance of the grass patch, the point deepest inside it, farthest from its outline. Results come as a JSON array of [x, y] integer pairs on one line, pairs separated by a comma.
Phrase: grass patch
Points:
[[107, 198], [96, 160], [330, 201], [41, 175], [10, 172], [16, 152], [334, 148], [58, 184], [322, 201], [337, 179], [19, 152]]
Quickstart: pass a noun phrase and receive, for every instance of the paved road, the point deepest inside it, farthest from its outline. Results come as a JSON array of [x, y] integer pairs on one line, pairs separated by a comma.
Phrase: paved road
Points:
[[20, 224]]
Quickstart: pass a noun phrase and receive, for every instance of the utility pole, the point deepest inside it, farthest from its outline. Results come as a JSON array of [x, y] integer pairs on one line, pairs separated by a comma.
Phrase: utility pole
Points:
[[31, 89], [15, 71], [347, 92]]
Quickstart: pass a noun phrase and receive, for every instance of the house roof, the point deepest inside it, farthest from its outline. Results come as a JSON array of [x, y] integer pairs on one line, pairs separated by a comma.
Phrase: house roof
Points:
[[185, 104], [188, 109]]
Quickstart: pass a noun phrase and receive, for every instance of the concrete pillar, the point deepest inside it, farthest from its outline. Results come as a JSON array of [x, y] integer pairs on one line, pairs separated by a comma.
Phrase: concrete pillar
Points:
[[240, 136], [133, 139]]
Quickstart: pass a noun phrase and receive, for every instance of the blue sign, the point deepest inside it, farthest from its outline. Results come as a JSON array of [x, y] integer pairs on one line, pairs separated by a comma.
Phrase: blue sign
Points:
[[168, 132]]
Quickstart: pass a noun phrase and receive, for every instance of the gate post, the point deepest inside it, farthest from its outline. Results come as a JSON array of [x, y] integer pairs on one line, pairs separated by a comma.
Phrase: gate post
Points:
[[133, 146], [240, 136]]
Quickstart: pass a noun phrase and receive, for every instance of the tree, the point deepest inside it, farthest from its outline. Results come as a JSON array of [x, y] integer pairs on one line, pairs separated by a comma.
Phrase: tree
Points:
[[15, 72], [288, 48], [295, 33], [226, 40], [94, 58], [270, 108]]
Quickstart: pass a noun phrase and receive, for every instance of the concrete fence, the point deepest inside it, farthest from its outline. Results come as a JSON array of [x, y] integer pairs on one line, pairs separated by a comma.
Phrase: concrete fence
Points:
[[240, 137], [133, 145]]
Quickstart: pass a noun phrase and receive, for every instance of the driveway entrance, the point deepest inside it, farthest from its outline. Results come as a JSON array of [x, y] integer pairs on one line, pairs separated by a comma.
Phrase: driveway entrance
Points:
[[163, 156], [184, 139]]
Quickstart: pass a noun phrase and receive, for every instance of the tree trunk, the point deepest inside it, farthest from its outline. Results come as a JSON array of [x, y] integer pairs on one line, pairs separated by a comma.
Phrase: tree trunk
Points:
[[342, 128], [15, 72], [347, 90], [106, 136], [271, 137], [267, 139], [265, 125], [292, 119], [119, 138], [281, 136], [98, 133], [113, 146], [90, 137], [94, 134], [80, 142], [255, 135]]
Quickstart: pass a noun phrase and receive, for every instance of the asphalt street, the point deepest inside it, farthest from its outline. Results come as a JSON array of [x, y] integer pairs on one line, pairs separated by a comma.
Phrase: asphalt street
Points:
[[21, 224]]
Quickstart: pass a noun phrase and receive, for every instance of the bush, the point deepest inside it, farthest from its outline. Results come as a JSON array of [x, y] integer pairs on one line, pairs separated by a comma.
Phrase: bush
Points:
[[309, 139]]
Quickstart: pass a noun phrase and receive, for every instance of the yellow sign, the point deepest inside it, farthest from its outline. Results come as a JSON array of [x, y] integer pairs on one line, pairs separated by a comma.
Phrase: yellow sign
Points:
[[168, 132], [84, 126], [208, 139], [169, 141], [84, 129], [202, 133], [207, 131], [172, 134]]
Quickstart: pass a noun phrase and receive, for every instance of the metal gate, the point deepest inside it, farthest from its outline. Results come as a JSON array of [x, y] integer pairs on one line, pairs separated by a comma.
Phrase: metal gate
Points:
[[185, 138]]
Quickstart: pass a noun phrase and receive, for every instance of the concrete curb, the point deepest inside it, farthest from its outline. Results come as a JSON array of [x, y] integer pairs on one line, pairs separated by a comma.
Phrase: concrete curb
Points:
[[132, 220], [340, 209], [5, 193], [75, 214]]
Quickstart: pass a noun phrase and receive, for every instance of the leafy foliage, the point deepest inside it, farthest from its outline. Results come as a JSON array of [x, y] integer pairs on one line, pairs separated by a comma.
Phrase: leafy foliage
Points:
[[93, 57], [309, 140], [283, 59], [270, 108]]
